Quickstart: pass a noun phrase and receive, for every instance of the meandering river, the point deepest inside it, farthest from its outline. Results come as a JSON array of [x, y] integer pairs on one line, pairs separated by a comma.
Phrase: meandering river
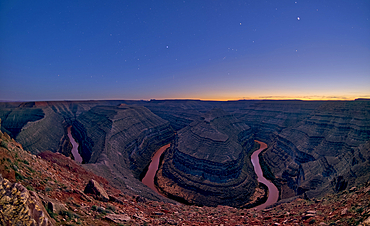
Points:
[[75, 153], [273, 192]]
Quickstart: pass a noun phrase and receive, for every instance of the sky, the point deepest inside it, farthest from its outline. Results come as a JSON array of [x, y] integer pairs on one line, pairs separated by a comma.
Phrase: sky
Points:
[[209, 50]]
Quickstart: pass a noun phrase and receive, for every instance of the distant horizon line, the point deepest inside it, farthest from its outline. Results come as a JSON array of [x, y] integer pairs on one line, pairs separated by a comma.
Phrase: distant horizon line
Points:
[[184, 99]]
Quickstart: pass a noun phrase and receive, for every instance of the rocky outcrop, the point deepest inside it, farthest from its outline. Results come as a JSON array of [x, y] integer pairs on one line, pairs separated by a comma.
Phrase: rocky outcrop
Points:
[[18, 206], [96, 190], [207, 163]]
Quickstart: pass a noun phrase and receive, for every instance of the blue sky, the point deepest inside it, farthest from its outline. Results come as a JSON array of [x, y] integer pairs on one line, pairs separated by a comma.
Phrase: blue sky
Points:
[[220, 50]]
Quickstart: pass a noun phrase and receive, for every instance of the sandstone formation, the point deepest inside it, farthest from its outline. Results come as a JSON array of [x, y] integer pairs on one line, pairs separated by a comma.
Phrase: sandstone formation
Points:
[[207, 163]]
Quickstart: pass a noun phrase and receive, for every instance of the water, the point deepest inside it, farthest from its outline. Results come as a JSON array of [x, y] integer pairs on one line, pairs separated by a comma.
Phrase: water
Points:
[[75, 153], [273, 194], [148, 179]]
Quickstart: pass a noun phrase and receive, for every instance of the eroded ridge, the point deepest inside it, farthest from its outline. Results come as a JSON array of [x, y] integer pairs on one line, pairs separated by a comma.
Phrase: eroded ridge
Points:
[[207, 163]]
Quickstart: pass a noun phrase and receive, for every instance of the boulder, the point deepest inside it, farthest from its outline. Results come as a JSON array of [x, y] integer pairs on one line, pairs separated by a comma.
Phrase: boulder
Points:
[[53, 205], [118, 218], [96, 190]]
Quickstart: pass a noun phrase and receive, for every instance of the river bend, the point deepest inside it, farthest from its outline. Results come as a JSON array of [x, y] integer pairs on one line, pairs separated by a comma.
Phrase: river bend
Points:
[[273, 192]]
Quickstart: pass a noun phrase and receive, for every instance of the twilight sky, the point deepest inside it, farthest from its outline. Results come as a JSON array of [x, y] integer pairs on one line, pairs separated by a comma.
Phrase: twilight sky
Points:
[[211, 49]]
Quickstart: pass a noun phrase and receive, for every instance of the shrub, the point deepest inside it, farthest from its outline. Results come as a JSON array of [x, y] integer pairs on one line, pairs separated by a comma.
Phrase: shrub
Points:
[[68, 214], [31, 170], [4, 144], [360, 210], [30, 188], [53, 215], [18, 176]]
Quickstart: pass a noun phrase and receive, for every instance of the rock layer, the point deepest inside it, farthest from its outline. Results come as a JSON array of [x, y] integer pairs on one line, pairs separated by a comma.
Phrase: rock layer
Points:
[[330, 145], [207, 163], [117, 142]]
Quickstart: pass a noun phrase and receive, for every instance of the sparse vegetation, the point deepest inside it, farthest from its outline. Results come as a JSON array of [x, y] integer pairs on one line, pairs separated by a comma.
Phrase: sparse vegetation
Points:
[[51, 213], [30, 188], [4, 144], [18, 176]]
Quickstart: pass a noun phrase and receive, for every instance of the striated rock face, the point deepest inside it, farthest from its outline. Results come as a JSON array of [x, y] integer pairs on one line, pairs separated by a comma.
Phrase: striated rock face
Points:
[[269, 118], [40, 126], [118, 141], [15, 118], [207, 163], [180, 113], [18, 206], [116, 137], [329, 149]]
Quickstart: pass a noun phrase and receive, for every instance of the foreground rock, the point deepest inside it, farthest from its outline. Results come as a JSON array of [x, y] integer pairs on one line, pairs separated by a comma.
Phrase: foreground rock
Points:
[[118, 218], [18, 206]]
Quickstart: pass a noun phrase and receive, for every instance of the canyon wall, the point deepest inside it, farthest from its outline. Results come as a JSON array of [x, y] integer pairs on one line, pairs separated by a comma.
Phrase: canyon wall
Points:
[[314, 146], [117, 142], [326, 151]]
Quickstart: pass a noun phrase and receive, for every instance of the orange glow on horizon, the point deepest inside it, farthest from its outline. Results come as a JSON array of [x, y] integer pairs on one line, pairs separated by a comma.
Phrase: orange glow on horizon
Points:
[[306, 98]]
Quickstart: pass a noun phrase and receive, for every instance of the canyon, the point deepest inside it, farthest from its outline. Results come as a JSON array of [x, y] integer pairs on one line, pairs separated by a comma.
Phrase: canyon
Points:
[[314, 147]]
